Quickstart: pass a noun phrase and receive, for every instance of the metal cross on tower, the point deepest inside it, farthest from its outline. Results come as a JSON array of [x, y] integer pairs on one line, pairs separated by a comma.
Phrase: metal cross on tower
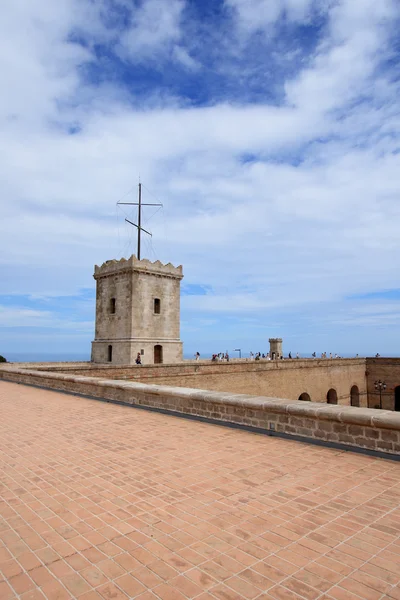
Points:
[[139, 227]]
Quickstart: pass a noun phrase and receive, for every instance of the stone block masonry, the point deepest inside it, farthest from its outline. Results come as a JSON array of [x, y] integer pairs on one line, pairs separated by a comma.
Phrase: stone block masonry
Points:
[[387, 370], [361, 428], [279, 379]]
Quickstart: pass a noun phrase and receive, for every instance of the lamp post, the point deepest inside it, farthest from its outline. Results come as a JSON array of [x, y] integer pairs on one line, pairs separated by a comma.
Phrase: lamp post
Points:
[[379, 386], [240, 352]]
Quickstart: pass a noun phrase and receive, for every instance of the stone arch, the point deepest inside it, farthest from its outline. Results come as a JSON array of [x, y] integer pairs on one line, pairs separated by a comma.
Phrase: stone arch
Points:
[[305, 396], [354, 396], [331, 396], [397, 398], [158, 354]]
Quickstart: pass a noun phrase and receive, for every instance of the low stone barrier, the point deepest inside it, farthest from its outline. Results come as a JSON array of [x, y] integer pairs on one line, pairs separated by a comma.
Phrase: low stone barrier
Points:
[[367, 429]]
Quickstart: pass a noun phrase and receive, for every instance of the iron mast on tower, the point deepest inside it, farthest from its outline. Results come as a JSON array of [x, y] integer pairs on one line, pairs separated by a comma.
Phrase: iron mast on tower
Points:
[[138, 226]]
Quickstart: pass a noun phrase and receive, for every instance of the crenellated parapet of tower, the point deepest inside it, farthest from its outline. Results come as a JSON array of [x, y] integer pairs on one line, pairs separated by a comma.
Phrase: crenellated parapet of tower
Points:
[[124, 265]]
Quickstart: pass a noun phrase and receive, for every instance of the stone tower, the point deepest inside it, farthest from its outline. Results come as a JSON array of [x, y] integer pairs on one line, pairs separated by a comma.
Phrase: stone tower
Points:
[[137, 310], [275, 347]]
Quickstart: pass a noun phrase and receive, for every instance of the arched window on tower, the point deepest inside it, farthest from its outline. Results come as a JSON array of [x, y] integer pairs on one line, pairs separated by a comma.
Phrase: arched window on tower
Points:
[[110, 353], [112, 306], [158, 354], [305, 396], [157, 306]]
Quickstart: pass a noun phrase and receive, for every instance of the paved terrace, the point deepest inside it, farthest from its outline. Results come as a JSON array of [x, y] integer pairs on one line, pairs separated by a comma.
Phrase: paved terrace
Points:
[[100, 501]]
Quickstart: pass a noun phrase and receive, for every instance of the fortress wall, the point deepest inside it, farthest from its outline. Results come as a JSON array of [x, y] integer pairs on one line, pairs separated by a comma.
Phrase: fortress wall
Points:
[[388, 371], [341, 426], [279, 379]]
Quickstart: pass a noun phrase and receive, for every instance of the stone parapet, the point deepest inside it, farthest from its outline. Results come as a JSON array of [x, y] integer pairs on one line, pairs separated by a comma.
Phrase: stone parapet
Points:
[[111, 267], [274, 378], [345, 426]]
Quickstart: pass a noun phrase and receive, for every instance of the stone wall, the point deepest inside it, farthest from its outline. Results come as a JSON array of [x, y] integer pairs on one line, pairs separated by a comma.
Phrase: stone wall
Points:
[[361, 428], [279, 379], [387, 370]]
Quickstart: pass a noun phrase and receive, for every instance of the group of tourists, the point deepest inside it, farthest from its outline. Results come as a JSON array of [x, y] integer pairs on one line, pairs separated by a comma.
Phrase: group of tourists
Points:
[[220, 356]]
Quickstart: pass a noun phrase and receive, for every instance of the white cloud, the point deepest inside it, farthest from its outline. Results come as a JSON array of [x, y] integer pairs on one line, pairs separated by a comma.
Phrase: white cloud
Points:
[[347, 57], [258, 14], [155, 26], [184, 58], [24, 317]]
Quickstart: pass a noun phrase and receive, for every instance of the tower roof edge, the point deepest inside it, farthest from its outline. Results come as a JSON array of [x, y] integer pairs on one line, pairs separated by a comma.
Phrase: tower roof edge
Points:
[[133, 264]]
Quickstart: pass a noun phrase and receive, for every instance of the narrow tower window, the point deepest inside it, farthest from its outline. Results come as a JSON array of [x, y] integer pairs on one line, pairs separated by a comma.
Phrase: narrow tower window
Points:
[[110, 353], [112, 306], [157, 306]]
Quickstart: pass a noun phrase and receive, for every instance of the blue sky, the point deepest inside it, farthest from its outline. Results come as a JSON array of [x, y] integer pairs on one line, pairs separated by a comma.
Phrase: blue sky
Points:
[[268, 129]]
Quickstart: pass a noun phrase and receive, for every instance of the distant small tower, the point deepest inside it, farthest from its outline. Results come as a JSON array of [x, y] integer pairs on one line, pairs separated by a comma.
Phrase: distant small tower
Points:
[[275, 347], [137, 311]]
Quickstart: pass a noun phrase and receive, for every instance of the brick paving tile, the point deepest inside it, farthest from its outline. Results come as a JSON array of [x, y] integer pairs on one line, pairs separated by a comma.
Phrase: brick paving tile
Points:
[[282, 593], [242, 587], [185, 586], [165, 591], [108, 548], [222, 592], [21, 583], [359, 588], [55, 591], [110, 592], [33, 595], [147, 577], [60, 568], [93, 576], [301, 588], [131, 586], [215, 570], [77, 561], [242, 557], [160, 568], [10, 568], [144, 505], [318, 576], [29, 561], [6, 593], [47, 555], [75, 584], [150, 596], [394, 593], [90, 596], [41, 576], [339, 593], [110, 568], [93, 555], [202, 579]]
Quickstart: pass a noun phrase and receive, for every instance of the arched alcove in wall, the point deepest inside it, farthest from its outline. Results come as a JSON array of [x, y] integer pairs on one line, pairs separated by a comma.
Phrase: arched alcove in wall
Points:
[[331, 396], [355, 396], [305, 396], [397, 398]]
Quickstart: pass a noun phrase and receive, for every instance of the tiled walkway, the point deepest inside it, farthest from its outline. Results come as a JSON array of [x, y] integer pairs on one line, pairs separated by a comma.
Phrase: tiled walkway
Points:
[[109, 502]]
